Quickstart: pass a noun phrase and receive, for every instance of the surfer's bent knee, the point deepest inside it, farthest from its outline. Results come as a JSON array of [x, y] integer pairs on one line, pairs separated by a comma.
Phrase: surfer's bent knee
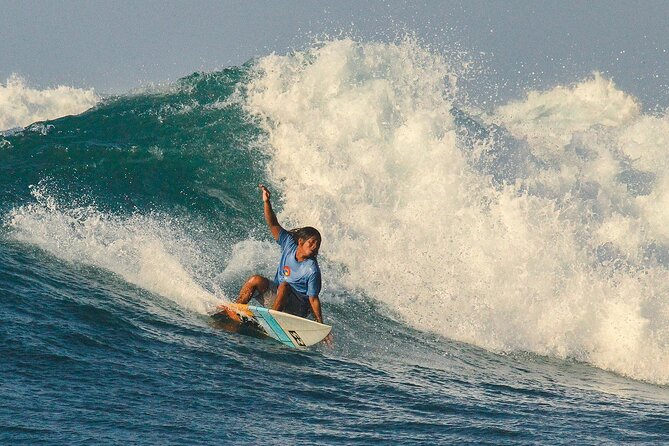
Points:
[[259, 282]]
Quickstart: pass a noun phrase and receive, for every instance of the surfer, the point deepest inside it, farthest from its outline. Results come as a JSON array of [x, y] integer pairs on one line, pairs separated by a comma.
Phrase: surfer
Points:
[[297, 282]]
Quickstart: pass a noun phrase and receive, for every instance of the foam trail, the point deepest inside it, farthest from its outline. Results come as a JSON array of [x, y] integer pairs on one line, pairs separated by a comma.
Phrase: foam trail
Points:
[[21, 105], [143, 250], [567, 256]]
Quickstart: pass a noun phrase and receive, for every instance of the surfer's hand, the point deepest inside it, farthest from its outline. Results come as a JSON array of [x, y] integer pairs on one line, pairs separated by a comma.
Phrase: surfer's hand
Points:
[[265, 192], [328, 341]]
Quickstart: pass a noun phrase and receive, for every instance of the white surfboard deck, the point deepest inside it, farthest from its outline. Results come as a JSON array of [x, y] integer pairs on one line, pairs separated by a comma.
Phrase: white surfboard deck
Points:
[[288, 329]]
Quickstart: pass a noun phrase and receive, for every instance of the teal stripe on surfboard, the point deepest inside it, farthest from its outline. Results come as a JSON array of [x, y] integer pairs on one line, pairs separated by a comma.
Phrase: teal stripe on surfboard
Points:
[[281, 335]]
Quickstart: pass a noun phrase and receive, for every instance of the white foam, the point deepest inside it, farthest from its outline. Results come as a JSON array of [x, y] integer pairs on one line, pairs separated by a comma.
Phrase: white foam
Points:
[[143, 250], [364, 147], [556, 115], [249, 257], [21, 105]]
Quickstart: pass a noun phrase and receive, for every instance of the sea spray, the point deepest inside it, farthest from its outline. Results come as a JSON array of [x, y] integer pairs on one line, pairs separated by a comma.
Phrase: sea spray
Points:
[[566, 259], [146, 250]]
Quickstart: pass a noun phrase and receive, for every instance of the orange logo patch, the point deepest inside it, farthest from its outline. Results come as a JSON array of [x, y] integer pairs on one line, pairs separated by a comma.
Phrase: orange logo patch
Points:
[[286, 271]]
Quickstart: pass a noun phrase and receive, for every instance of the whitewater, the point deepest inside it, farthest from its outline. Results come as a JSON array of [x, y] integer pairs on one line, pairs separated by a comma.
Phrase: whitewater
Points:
[[493, 275], [21, 105]]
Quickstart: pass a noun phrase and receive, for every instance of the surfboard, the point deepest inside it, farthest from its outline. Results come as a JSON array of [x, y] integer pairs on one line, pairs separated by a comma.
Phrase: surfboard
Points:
[[290, 330]]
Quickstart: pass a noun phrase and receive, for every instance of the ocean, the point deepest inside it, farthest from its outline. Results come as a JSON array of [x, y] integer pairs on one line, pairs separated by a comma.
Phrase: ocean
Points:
[[494, 273]]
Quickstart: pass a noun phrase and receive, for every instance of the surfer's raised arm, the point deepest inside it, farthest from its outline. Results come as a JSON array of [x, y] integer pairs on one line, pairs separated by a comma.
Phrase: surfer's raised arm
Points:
[[270, 216]]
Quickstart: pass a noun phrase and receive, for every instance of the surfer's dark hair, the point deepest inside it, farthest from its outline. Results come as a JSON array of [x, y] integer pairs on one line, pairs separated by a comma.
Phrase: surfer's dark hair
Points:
[[305, 233]]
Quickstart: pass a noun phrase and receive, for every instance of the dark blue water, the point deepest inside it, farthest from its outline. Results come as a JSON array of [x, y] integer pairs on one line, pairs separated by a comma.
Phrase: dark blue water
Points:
[[89, 359], [117, 224]]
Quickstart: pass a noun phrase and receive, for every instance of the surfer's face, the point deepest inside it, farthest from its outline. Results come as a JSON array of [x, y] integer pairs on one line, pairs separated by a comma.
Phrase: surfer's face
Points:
[[309, 247]]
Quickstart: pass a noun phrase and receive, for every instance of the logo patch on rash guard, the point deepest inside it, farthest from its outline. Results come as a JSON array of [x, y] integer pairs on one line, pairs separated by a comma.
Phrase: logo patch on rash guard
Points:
[[286, 271]]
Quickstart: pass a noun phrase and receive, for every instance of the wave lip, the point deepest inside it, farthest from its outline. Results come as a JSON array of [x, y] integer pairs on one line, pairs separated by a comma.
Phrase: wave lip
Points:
[[21, 105]]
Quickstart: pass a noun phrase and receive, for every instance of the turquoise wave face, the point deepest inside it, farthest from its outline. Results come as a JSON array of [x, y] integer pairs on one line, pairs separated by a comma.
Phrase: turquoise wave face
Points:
[[185, 149]]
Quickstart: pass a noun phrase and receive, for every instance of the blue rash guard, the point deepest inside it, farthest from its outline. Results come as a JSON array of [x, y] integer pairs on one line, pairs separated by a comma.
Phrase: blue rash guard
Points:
[[303, 277]]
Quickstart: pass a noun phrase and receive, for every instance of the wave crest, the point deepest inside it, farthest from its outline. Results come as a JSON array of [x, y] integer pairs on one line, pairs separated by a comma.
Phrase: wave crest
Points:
[[21, 105], [563, 254]]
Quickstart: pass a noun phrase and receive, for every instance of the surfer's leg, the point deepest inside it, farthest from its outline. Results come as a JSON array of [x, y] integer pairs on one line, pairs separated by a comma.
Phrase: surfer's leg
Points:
[[253, 284], [282, 292]]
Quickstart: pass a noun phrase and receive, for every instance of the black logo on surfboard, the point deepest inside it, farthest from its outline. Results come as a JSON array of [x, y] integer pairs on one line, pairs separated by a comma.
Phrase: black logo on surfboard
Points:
[[297, 338]]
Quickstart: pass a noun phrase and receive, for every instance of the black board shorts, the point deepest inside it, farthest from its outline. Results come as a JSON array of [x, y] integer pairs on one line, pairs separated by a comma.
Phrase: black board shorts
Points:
[[294, 304]]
